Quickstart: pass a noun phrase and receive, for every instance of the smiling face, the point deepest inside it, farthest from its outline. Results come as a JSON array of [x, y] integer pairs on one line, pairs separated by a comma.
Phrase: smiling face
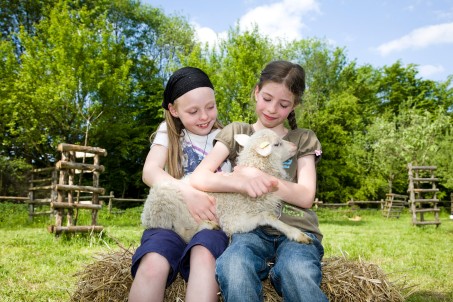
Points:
[[274, 102], [196, 109]]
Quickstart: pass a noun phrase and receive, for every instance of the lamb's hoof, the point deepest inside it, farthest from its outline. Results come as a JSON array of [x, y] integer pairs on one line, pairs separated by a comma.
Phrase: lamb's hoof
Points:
[[303, 238], [210, 225]]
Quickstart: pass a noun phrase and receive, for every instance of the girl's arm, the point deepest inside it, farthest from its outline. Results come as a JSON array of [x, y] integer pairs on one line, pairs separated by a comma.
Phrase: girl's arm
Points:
[[300, 194], [153, 170], [204, 177], [201, 206]]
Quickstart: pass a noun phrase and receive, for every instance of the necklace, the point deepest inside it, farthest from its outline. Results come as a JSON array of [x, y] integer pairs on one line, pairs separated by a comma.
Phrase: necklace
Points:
[[204, 149]]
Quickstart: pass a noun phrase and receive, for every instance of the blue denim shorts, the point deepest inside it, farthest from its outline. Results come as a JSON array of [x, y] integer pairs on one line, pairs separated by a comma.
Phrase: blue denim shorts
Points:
[[171, 246]]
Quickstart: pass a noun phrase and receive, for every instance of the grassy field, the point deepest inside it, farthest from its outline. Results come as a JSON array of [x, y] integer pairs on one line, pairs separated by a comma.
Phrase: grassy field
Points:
[[37, 266]]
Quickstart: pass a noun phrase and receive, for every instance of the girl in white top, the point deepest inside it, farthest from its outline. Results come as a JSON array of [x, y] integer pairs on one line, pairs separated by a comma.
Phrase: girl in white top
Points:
[[179, 145]]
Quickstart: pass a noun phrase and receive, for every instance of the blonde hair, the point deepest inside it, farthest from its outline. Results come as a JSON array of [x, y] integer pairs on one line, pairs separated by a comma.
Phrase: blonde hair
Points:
[[174, 150]]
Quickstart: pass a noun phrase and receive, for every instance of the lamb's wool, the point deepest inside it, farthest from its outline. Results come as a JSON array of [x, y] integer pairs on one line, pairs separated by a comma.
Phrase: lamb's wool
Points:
[[237, 213]]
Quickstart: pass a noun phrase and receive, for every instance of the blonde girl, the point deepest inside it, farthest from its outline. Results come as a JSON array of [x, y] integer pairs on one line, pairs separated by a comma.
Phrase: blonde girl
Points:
[[179, 145]]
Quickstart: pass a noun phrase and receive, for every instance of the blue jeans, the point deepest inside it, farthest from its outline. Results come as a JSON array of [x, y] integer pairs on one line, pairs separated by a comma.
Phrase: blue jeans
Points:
[[293, 268]]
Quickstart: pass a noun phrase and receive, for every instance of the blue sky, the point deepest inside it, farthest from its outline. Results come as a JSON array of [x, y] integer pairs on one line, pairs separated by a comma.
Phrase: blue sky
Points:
[[375, 32]]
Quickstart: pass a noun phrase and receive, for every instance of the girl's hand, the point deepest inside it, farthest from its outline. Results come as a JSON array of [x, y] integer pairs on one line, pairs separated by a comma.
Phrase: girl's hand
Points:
[[255, 183], [200, 205]]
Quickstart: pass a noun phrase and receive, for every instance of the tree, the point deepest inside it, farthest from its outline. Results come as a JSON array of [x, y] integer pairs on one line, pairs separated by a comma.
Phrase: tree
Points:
[[90, 71], [67, 71], [401, 86], [414, 136], [335, 105], [234, 66]]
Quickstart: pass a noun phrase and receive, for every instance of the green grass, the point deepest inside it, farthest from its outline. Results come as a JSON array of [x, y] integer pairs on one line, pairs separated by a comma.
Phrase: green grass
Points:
[[37, 266], [421, 256]]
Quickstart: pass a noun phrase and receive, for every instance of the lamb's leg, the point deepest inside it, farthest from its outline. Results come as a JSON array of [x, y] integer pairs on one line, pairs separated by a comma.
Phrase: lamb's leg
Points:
[[290, 232], [241, 223], [209, 225], [246, 223]]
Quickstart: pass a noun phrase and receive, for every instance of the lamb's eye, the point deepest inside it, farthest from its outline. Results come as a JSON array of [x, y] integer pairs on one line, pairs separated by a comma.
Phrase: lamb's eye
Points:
[[277, 144]]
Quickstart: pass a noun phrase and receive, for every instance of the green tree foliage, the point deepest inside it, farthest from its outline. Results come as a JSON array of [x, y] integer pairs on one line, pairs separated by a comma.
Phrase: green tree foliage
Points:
[[399, 85], [414, 136], [241, 58], [20, 14], [337, 103], [153, 43], [234, 65], [13, 176], [93, 72], [86, 68], [68, 72]]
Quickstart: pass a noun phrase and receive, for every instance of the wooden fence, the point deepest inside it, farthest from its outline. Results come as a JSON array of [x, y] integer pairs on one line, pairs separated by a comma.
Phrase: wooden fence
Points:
[[350, 203], [109, 199], [66, 192]]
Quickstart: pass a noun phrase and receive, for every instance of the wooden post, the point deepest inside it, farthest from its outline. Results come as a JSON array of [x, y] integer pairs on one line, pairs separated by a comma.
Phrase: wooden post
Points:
[[451, 208], [411, 193], [94, 213], [60, 194], [54, 193], [112, 196], [31, 206], [70, 210]]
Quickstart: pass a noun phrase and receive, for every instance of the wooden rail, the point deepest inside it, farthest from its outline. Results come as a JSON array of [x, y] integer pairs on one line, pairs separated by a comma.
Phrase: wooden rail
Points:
[[14, 198], [349, 203]]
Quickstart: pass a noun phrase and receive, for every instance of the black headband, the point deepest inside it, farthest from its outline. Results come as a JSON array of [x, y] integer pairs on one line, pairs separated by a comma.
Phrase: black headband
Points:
[[182, 81]]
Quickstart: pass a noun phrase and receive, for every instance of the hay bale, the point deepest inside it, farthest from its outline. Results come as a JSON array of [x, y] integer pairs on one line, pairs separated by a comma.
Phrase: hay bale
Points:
[[108, 279], [346, 280]]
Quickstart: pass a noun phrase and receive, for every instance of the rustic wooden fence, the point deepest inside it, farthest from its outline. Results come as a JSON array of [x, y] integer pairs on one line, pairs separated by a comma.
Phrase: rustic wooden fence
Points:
[[350, 203], [65, 197], [40, 191], [394, 205], [109, 199]]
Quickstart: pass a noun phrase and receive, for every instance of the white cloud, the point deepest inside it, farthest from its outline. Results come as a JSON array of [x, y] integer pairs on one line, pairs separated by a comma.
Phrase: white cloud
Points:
[[420, 38], [208, 35], [280, 19], [427, 71], [205, 34]]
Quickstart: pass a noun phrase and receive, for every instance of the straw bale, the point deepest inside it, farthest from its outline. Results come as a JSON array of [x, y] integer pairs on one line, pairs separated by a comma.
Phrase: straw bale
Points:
[[346, 280], [108, 279]]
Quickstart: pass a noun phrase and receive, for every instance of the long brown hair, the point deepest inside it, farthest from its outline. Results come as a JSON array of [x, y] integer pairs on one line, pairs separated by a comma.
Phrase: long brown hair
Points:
[[292, 76]]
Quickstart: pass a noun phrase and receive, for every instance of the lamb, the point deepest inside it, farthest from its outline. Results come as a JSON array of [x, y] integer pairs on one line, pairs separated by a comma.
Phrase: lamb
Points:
[[237, 213]]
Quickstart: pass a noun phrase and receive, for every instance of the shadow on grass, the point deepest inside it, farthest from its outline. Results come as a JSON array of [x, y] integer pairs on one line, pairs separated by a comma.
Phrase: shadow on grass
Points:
[[425, 296]]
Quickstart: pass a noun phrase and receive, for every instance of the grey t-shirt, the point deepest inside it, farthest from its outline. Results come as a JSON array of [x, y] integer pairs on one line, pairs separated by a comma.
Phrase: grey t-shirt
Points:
[[307, 143]]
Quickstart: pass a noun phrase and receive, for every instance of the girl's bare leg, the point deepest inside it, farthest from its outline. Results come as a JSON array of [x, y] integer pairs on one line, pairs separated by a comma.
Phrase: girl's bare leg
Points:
[[202, 285], [151, 278]]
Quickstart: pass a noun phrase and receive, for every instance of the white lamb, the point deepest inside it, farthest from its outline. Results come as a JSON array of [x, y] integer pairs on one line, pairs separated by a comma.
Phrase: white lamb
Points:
[[237, 213]]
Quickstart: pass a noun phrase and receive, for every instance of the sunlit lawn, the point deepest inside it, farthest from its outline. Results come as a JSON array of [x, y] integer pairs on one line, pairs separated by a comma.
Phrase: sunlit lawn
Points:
[[420, 255], [37, 266]]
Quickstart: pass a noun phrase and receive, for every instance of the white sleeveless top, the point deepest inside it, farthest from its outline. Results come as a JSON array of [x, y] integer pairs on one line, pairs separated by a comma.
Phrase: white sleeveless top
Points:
[[194, 147]]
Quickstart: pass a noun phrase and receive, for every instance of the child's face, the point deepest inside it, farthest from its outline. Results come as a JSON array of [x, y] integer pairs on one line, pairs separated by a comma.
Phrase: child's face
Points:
[[274, 102], [196, 109]]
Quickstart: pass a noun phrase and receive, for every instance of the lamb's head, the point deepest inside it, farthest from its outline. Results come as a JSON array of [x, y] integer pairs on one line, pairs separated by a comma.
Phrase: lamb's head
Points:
[[265, 150]]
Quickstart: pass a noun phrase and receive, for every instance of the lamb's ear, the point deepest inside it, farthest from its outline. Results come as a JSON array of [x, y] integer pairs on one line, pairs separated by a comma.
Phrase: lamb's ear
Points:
[[242, 139], [264, 149]]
